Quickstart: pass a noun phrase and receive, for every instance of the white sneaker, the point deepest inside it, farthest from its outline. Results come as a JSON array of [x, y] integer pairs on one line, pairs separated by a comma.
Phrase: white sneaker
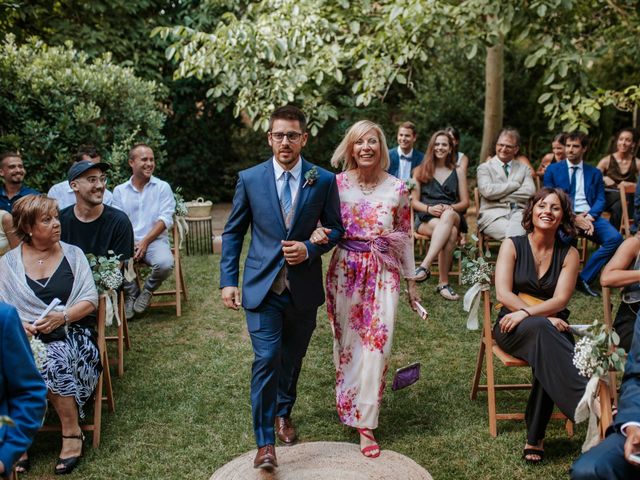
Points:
[[128, 307], [143, 301]]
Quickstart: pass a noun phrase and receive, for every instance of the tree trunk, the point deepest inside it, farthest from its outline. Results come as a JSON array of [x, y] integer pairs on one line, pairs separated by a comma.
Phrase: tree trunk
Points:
[[493, 97]]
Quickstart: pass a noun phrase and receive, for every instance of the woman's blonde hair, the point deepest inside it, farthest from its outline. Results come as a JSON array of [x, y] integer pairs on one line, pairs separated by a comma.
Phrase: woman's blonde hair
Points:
[[344, 153], [28, 210]]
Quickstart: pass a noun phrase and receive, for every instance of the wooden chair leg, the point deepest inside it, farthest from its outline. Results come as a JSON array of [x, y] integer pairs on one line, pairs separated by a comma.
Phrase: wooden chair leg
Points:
[[178, 275], [478, 371]]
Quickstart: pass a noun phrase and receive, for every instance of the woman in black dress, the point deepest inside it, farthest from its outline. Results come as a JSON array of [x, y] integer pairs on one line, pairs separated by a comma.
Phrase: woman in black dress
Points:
[[439, 199], [539, 265], [38, 270]]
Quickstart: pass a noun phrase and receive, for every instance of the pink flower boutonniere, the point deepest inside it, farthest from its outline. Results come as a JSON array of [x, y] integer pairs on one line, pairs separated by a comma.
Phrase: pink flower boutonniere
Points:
[[311, 176]]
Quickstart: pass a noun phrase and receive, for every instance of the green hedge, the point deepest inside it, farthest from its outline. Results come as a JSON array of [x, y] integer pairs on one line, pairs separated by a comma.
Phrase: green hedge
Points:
[[53, 99]]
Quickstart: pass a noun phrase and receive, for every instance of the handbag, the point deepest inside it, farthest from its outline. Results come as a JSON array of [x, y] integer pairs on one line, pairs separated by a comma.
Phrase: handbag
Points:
[[406, 376]]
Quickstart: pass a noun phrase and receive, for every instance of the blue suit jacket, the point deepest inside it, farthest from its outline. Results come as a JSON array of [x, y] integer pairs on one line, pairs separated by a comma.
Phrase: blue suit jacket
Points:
[[22, 390], [629, 403], [394, 161], [557, 176], [256, 204]]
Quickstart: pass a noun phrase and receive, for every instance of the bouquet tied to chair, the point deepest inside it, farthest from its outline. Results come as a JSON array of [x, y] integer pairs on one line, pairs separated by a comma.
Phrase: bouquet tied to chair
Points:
[[477, 272]]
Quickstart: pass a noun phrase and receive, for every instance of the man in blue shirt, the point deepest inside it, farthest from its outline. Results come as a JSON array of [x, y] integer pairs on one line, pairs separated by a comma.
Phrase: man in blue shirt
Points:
[[12, 172]]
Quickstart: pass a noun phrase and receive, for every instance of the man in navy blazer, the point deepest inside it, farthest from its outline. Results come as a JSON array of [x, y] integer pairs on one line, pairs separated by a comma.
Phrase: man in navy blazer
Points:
[[404, 158], [23, 393], [282, 200], [610, 459], [585, 186]]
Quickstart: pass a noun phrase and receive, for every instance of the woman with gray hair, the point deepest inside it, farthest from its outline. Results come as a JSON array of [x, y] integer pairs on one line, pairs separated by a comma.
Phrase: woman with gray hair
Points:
[[34, 274], [363, 281]]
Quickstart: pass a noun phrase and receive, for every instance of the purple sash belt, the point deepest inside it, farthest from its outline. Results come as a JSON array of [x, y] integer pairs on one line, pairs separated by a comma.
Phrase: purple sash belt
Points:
[[387, 249]]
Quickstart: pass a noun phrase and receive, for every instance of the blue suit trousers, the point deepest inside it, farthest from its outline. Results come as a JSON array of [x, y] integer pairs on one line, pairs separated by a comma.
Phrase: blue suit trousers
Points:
[[280, 334]]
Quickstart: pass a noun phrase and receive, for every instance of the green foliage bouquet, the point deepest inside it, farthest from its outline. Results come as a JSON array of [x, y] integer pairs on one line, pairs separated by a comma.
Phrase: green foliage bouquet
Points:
[[475, 267], [181, 206], [597, 352], [106, 271]]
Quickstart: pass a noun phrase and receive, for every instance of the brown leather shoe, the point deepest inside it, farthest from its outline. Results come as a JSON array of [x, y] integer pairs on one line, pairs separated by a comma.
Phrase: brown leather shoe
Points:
[[266, 458], [286, 431]]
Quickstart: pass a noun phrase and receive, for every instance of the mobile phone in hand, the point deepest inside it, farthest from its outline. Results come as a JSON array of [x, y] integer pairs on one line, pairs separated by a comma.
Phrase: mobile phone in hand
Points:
[[422, 311], [635, 457]]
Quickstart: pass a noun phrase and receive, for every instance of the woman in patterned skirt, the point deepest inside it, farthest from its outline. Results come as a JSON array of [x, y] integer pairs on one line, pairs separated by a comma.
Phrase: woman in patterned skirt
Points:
[[363, 281], [40, 269]]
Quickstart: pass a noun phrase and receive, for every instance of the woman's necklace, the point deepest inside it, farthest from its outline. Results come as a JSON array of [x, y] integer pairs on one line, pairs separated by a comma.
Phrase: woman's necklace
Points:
[[40, 261], [367, 189], [535, 257]]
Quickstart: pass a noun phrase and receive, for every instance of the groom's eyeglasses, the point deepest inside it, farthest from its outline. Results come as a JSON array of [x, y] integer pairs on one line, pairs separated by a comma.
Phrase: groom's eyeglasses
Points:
[[293, 137]]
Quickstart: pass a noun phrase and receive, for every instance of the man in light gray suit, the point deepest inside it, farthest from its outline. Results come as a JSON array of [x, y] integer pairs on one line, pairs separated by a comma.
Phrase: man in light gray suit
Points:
[[504, 185]]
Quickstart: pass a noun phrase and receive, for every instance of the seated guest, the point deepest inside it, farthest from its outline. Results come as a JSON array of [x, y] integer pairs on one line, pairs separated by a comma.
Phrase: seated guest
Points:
[[620, 168], [612, 458], [64, 193], [40, 269], [149, 204], [12, 172], [504, 185], [462, 161], [90, 224], [439, 198], [403, 158], [23, 394], [7, 237], [623, 270], [540, 265], [556, 155], [583, 183]]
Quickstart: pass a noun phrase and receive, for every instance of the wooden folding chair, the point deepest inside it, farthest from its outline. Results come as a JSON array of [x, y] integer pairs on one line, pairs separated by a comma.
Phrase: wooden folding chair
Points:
[[625, 224], [488, 350], [104, 389], [422, 243], [122, 338], [180, 285]]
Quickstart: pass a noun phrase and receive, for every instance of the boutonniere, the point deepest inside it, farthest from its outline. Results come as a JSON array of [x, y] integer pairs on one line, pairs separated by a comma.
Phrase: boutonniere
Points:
[[311, 176], [410, 184]]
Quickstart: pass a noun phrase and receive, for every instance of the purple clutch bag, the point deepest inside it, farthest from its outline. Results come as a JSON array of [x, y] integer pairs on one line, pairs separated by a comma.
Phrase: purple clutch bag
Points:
[[406, 376]]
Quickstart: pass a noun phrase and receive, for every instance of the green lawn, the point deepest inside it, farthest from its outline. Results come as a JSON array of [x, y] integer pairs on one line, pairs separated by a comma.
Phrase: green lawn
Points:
[[183, 410]]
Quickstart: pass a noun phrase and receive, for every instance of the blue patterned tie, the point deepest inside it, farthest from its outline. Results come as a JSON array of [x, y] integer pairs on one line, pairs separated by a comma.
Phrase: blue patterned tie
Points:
[[572, 183], [286, 194]]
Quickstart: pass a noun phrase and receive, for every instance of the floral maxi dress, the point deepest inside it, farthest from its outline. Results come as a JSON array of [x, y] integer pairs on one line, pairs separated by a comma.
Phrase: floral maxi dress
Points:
[[362, 297]]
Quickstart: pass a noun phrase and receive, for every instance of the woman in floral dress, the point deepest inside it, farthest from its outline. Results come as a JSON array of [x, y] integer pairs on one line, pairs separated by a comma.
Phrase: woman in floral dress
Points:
[[363, 281]]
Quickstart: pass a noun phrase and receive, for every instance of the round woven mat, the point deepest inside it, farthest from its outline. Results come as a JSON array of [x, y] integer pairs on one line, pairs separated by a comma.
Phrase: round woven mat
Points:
[[325, 461]]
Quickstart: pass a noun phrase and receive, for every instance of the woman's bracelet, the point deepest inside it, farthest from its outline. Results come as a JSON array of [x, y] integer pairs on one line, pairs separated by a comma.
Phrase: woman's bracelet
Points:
[[525, 311], [427, 210], [66, 318]]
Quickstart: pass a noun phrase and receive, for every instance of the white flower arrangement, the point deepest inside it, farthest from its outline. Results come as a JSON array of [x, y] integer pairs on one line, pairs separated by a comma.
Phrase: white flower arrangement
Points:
[[475, 267], [106, 271], [181, 206], [39, 351], [597, 352]]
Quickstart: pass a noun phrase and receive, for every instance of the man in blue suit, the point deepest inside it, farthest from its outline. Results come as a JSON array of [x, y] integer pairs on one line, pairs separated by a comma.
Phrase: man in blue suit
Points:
[[282, 200], [404, 158], [611, 459], [23, 394], [585, 186]]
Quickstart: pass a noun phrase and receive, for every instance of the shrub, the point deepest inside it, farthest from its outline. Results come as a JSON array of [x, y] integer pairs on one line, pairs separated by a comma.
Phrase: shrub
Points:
[[53, 99]]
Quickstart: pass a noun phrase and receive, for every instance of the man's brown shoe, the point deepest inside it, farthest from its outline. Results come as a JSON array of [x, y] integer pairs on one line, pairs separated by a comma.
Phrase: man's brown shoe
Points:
[[286, 431], [266, 458]]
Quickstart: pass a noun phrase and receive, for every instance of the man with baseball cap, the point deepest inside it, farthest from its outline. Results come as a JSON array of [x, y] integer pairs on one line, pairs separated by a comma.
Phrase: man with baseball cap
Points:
[[90, 224], [64, 193]]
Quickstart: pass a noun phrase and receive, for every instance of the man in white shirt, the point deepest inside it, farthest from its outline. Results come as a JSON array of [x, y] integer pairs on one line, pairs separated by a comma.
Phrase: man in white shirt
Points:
[[404, 158], [150, 205], [504, 185], [63, 193]]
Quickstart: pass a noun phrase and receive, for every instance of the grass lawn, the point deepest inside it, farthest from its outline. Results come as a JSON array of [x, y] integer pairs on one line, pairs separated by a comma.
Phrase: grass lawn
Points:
[[183, 409]]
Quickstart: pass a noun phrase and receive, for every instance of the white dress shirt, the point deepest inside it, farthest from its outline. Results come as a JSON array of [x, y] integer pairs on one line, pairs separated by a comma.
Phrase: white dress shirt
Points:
[[294, 182], [404, 166], [64, 194], [580, 203], [144, 208]]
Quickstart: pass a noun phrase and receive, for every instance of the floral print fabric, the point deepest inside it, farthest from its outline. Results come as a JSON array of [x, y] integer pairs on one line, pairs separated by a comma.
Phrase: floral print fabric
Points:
[[362, 297]]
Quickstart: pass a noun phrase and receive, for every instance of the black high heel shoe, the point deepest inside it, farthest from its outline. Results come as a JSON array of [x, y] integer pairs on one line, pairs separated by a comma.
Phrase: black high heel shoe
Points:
[[68, 464]]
